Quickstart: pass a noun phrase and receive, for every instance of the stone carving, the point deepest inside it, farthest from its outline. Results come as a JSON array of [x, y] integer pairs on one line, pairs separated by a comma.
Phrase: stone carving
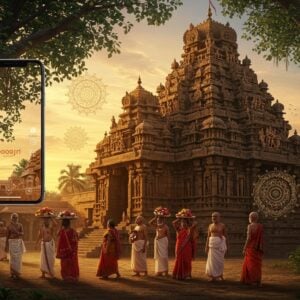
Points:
[[275, 194], [211, 111], [269, 138]]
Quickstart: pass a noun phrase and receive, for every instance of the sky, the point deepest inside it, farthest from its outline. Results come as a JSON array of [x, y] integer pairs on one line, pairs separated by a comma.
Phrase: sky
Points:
[[146, 51]]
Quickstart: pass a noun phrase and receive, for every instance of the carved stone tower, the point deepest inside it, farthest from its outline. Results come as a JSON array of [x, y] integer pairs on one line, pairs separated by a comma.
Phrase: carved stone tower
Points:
[[204, 143]]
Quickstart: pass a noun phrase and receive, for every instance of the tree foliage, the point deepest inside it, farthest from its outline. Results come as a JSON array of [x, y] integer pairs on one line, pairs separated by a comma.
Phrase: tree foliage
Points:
[[63, 33], [20, 167], [72, 180], [274, 26]]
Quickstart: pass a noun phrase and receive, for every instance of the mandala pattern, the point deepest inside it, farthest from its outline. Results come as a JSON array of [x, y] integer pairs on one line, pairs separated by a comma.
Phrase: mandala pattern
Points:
[[87, 94], [75, 138], [275, 194]]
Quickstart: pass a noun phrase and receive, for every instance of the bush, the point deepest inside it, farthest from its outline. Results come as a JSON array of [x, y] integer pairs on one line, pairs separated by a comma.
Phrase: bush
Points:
[[294, 259]]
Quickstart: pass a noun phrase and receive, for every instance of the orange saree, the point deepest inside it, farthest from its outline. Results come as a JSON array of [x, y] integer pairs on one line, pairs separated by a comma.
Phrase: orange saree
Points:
[[67, 249], [184, 255], [251, 272], [110, 254]]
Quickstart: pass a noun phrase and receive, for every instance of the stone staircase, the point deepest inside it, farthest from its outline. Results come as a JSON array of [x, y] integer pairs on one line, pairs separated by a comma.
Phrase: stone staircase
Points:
[[89, 245]]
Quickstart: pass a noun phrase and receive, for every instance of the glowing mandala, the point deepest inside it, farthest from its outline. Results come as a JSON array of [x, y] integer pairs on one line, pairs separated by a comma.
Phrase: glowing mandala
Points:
[[87, 94], [275, 194], [75, 138]]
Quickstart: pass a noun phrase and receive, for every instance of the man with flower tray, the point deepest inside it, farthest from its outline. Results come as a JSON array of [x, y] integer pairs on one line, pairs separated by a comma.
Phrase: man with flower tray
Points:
[[46, 234], [161, 241]]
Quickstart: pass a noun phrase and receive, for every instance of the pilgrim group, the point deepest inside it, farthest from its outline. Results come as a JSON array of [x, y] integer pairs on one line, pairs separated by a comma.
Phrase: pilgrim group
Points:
[[11, 241]]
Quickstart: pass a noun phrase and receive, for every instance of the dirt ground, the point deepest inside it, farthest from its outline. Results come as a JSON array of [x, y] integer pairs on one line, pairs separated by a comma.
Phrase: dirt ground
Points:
[[279, 282]]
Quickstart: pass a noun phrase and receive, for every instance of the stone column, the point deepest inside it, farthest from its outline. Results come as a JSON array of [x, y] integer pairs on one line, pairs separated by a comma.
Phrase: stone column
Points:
[[130, 191]]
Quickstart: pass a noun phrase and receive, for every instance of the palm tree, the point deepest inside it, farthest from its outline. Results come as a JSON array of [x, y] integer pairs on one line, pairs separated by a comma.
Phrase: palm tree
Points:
[[73, 181], [20, 167]]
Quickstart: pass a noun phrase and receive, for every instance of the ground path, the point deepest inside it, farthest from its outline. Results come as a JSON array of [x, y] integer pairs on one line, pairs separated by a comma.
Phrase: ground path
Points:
[[279, 282]]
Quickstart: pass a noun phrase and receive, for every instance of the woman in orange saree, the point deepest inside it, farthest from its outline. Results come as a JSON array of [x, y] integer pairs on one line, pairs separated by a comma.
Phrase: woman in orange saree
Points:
[[253, 251], [110, 252], [185, 246], [67, 250]]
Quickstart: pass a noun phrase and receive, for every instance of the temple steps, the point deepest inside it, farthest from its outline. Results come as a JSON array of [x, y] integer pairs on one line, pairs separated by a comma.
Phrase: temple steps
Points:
[[89, 245]]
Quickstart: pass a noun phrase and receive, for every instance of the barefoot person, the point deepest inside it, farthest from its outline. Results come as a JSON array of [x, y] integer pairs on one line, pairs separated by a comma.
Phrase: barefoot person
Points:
[[185, 244], [15, 245], [67, 248], [161, 241], [3, 233], [216, 247], [139, 239], [45, 236], [253, 251], [110, 252]]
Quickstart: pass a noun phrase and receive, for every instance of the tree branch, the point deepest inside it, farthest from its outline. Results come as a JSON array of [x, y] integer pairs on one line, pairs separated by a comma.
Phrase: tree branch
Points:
[[46, 34]]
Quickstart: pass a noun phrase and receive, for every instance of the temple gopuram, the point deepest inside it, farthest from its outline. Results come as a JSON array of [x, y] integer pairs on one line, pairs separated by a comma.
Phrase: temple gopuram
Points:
[[213, 139]]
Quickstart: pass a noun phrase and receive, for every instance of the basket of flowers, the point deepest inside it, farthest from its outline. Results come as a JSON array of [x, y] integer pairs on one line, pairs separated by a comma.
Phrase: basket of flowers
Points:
[[162, 212], [67, 215], [44, 212], [185, 213]]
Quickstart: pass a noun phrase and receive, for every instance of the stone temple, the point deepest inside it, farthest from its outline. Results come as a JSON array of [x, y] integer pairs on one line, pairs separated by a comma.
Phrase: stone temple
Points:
[[213, 139]]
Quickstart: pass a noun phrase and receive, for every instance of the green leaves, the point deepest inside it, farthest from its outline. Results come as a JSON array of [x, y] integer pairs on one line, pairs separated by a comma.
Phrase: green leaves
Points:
[[274, 27]]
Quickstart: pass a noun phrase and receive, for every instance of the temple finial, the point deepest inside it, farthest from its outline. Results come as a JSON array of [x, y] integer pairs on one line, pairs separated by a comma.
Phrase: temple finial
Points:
[[139, 80], [209, 12]]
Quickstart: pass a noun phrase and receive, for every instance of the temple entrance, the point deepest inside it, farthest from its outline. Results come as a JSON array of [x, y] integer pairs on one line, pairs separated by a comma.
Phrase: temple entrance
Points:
[[118, 194]]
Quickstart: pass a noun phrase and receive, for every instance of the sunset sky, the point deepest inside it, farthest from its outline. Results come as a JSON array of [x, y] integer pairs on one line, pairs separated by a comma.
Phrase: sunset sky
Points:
[[148, 52]]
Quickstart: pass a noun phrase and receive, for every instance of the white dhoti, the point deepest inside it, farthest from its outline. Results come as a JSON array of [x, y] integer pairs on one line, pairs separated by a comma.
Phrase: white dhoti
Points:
[[161, 255], [138, 257], [16, 250], [2, 248], [215, 258], [48, 257]]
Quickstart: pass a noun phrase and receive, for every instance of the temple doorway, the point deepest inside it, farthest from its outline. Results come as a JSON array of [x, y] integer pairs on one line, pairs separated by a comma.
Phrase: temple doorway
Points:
[[118, 190]]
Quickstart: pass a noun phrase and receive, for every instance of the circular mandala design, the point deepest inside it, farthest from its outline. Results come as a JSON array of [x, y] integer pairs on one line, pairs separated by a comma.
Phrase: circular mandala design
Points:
[[75, 138], [87, 94], [275, 194]]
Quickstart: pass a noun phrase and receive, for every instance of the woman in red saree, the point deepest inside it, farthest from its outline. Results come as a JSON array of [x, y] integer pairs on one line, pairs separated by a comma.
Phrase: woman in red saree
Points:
[[67, 251], [110, 252], [185, 247], [253, 251]]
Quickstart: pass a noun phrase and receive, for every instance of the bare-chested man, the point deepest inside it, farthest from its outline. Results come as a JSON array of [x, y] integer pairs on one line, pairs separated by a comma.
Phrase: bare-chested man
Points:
[[216, 247], [161, 243], [3, 233], [139, 248], [15, 245], [46, 234]]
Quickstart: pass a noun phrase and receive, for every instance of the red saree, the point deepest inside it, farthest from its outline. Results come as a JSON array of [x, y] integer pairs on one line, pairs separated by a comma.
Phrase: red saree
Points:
[[184, 254], [67, 252], [251, 272], [110, 254]]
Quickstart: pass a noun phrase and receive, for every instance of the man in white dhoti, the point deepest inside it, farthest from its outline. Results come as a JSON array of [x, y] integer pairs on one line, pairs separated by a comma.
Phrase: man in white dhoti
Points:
[[161, 241], [3, 233], [216, 247], [48, 250], [139, 239], [15, 245]]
